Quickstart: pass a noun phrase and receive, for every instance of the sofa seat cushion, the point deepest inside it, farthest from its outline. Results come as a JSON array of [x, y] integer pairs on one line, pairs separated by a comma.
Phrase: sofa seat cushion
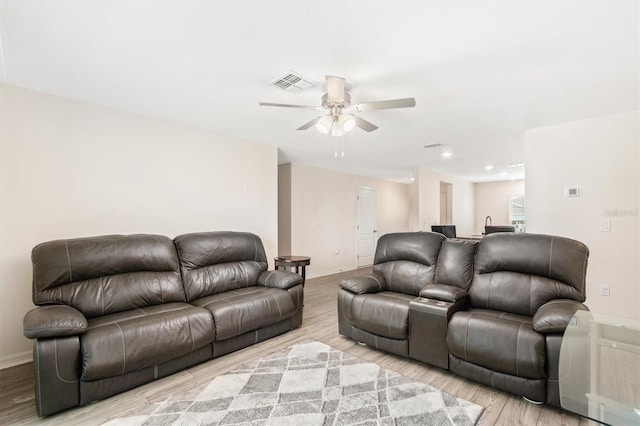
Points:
[[383, 314], [247, 309], [127, 341], [498, 341]]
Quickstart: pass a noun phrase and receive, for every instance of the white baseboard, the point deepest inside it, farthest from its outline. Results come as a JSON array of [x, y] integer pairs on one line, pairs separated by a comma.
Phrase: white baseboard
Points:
[[325, 273], [16, 359]]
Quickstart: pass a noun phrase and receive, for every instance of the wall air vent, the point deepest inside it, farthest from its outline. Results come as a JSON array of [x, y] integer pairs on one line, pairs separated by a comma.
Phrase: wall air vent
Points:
[[293, 82]]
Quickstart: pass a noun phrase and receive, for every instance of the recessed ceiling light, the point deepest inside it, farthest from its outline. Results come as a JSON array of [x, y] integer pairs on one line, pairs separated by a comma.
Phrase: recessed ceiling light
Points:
[[446, 154], [488, 167], [515, 164], [503, 173]]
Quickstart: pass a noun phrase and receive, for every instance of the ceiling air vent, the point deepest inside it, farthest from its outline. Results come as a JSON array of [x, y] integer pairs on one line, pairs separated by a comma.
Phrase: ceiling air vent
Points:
[[293, 82], [433, 145]]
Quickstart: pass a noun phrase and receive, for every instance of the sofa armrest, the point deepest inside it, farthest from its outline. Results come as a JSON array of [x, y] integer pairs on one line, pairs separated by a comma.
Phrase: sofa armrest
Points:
[[373, 283], [279, 279], [444, 292], [554, 316], [53, 321]]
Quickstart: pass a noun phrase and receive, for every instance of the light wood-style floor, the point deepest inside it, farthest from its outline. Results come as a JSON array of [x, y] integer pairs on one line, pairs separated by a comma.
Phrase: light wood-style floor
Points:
[[17, 406]]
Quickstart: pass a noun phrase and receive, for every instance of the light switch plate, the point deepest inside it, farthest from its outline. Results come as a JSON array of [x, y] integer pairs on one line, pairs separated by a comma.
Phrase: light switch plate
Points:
[[605, 226]]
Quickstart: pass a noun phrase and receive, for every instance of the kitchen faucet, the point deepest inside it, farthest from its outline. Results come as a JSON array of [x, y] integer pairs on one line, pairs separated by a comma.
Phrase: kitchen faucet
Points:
[[487, 219]]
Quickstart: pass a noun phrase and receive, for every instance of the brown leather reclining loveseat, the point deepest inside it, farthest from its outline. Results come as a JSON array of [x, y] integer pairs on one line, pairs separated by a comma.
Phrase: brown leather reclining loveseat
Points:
[[493, 311], [119, 311]]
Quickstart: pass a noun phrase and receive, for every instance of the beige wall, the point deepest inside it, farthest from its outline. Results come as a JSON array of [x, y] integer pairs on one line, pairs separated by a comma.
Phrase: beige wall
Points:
[[425, 202], [492, 199], [284, 209], [70, 169], [323, 215], [601, 156]]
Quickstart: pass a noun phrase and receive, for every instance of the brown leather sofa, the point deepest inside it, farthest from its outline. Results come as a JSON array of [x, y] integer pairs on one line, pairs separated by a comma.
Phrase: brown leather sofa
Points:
[[493, 311], [119, 311]]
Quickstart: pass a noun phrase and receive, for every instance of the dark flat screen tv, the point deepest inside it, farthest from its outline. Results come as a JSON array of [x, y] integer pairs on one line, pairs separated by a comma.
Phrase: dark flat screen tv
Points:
[[448, 231]]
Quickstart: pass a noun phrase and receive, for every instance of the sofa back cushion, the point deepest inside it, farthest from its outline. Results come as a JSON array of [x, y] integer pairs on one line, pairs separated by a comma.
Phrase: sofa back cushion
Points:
[[215, 262], [407, 260], [455, 262], [518, 273], [107, 274]]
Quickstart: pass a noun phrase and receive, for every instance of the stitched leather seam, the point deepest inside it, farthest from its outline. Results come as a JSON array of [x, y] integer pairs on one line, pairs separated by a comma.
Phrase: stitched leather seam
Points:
[[489, 291], [364, 300], [235, 310], [516, 353], [255, 250], [377, 281], [393, 307], [391, 280], [466, 336], [161, 292], [530, 295], [55, 351], [124, 349], [193, 340], [583, 277], [245, 274], [102, 293], [275, 299], [75, 329], [456, 294]]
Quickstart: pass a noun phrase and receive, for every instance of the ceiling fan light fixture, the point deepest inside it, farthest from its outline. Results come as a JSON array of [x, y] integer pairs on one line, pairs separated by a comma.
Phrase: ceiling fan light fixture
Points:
[[325, 124], [337, 129], [336, 101], [347, 122]]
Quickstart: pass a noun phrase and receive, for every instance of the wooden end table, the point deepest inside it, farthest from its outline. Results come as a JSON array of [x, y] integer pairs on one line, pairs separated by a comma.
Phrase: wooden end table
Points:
[[297, 262]]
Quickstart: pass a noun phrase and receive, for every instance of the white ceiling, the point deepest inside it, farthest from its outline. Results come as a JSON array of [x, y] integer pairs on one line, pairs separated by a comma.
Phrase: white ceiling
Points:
[[481, 71]]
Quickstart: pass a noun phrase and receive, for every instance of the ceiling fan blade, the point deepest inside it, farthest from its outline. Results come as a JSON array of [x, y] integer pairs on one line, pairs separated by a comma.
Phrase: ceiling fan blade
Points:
[[364, 124], [310, 123], [316, 107], [390, 104], [335, 89]]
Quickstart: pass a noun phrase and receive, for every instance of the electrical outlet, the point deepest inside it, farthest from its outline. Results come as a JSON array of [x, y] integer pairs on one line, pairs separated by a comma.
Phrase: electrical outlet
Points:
[[604, 290]]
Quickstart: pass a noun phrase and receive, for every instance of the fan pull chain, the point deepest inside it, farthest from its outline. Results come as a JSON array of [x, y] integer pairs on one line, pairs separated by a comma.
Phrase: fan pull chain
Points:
[[339, 146]]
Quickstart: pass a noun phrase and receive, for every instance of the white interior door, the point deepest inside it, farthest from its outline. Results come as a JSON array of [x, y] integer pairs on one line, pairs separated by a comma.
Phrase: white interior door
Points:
[[366, 226]]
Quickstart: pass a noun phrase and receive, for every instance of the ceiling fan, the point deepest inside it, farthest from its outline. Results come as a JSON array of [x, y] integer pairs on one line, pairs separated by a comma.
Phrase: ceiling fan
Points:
[[337, 104]]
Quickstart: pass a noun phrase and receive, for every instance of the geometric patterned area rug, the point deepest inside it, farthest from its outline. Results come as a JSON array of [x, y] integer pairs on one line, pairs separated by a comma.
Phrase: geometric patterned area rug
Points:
[[309, 383]]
